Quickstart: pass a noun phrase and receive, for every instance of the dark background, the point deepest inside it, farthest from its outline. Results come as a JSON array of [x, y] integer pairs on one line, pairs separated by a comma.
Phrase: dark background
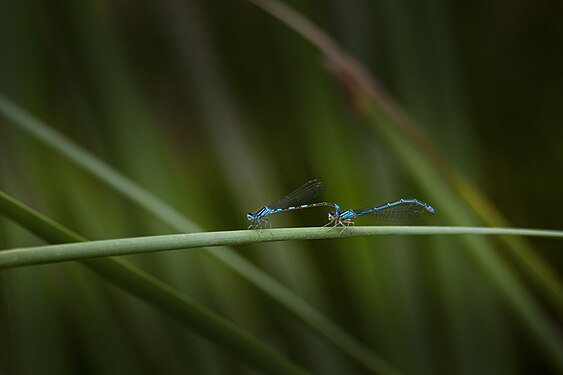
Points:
[[218, 108]]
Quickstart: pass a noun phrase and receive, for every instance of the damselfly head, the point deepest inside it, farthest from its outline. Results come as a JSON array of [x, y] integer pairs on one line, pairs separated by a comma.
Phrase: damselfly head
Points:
[[250, 216], [332, 216]]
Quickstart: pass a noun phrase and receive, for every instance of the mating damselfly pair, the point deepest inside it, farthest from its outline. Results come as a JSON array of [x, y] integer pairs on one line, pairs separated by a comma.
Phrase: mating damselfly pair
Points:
[[402, 210]]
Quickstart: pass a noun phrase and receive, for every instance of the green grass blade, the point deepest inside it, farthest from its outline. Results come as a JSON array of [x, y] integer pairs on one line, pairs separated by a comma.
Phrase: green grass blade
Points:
[[279, 293], [139, 245], [160, 295], [528, 258]]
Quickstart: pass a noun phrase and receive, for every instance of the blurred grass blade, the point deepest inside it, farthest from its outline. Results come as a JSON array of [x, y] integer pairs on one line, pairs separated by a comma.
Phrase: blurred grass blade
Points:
[[361, 86], [140, 245], [528, 258], [160, 295], [279, 293]]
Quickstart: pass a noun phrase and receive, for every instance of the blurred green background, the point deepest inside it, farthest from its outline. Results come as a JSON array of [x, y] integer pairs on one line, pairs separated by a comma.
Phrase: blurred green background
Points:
[[218, 108]]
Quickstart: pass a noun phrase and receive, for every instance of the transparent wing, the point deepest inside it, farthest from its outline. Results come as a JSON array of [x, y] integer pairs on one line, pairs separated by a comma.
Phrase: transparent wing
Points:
[[401, 211], [305, 194]]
